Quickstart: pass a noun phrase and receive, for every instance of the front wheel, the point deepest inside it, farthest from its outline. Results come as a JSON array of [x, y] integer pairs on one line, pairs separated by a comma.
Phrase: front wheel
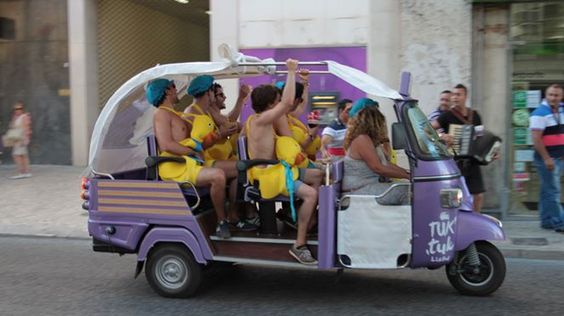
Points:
[[480, 280], [172, 271]]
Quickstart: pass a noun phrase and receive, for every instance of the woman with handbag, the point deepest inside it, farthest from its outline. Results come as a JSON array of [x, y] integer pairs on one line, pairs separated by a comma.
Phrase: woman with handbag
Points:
[[18, 137]]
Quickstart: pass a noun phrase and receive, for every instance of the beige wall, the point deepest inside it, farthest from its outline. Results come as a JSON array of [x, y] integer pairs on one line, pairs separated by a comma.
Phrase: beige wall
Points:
[[132, 38]]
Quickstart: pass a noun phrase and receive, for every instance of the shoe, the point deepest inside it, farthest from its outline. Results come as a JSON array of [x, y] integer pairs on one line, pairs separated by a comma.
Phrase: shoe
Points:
[[18, 176], [286, 217], [303, 255], [244, 226], [26, 175], [255, 221], [222, 230]]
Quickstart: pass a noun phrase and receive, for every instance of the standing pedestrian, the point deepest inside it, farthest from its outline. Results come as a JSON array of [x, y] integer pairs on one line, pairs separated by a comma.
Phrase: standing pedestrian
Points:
[[21, 126], [444, 106], [462, 115], [547, 129]]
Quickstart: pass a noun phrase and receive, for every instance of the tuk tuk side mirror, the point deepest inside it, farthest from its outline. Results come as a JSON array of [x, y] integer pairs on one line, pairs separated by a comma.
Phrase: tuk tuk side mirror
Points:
[[399, 137]]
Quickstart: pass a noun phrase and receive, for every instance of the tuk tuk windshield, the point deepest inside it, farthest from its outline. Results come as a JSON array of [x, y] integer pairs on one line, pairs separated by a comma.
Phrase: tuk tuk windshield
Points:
[[429, 145]]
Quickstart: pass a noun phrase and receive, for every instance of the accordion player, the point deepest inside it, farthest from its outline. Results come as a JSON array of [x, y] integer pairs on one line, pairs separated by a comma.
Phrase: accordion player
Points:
[[474, 142]]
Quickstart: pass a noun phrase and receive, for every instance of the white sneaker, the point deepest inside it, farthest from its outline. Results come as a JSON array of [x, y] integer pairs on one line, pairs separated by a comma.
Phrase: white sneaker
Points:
[[26, 175], [18, 176]]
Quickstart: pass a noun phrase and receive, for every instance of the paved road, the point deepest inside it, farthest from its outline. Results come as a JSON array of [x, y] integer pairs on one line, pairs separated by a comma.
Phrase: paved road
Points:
[[52, 276]]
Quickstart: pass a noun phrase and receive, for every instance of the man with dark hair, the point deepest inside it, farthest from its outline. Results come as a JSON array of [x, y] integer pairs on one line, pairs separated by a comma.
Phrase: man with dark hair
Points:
[[547, 129], [444, 106], [261, 145], [291, 126], [462, 115], [202, 89], [170, 130], [333, 136]]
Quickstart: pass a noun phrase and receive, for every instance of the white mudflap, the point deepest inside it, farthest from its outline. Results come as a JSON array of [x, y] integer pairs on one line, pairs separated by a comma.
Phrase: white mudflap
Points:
[[373, 236]]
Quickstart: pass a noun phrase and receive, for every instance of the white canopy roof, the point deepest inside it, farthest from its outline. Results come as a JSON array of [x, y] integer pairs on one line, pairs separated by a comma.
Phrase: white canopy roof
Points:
[[118, 141]]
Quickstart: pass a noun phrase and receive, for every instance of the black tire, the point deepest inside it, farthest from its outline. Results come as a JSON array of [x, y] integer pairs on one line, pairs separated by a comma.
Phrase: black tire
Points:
[[489, 276], [172, 271]]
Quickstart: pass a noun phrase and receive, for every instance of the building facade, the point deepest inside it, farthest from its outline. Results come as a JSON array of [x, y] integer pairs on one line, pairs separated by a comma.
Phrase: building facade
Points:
[[66, 63]]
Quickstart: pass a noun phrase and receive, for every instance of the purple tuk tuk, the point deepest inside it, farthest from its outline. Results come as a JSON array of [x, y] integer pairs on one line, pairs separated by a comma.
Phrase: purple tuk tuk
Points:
[[169, 226]]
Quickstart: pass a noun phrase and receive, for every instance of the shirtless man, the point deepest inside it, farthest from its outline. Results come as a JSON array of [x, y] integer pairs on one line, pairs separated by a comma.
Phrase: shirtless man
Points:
[[261, 143], [282, 125], [170, 129], [201, 88]]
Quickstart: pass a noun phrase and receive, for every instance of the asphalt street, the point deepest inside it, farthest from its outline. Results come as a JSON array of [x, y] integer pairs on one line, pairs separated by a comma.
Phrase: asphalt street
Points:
[[55, 276]]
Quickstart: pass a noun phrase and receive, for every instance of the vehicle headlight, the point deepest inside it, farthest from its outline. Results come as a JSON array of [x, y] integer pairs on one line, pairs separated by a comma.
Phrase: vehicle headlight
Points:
[[451, 198]]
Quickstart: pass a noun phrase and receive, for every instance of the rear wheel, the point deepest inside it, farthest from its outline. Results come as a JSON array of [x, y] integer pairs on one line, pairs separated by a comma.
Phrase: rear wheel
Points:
[[479, 280], [172, 271]]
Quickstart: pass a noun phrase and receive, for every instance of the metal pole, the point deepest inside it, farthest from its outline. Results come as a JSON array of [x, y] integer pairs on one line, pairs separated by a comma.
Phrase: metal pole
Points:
[[310, 72], [277, 63]]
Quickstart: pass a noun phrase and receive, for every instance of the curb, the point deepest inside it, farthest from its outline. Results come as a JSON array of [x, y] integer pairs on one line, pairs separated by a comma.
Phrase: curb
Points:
[[43, 236], [532, 254]]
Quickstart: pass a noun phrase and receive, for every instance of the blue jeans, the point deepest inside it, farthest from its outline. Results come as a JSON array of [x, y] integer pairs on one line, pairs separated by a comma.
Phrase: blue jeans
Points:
[[550, 209]]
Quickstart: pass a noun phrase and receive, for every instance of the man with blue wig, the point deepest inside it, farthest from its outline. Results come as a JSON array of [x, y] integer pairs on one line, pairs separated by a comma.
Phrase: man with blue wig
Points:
[[171, 131], [202, 89]]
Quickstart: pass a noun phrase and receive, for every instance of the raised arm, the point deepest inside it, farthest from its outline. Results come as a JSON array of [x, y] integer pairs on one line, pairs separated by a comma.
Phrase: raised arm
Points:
[[244, 93], [304, 76], [270, 116]]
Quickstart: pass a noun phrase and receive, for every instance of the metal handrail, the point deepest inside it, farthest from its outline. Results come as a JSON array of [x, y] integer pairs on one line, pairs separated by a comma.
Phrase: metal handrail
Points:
[[102, 174], [278, 63]]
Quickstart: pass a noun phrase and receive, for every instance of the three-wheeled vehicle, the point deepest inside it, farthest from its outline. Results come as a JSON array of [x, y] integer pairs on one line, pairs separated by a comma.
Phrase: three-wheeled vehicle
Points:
[[170, 226]]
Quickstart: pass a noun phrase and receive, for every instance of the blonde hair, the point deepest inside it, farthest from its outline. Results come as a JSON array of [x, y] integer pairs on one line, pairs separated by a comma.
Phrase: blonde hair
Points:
[[370, 121]]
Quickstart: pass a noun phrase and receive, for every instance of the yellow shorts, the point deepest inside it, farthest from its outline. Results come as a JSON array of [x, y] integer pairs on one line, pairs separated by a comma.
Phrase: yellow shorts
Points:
[[179, 172], [272, 180]]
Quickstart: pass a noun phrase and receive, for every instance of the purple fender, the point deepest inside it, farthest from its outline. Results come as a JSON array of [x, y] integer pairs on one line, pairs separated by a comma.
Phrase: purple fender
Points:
[[473, 227], [171, 234]]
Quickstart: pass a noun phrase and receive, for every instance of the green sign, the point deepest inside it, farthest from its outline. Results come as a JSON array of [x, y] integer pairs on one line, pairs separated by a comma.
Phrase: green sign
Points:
[[520, 135], [520, 99]]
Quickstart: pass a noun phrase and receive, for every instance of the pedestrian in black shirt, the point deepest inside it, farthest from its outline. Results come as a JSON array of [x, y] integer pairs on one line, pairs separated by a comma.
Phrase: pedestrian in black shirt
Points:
[[460, 114]]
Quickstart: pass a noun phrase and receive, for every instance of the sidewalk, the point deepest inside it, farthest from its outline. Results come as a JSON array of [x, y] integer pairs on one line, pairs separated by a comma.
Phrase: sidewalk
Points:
[[48, 204]]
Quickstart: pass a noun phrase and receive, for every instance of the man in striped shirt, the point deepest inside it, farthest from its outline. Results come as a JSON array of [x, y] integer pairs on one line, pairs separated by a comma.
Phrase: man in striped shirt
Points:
[[444, 105], [547, 128]]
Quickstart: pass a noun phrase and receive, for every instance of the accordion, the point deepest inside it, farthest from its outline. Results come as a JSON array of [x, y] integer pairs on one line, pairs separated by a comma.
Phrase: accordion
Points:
[[468, 143]]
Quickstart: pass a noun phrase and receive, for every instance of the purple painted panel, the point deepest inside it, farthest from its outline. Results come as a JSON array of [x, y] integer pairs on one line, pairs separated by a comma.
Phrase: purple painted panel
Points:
[[170, 234], [351, 56], [127, 233], [327, 227], [434, 228], [473, 227], [436, 168]]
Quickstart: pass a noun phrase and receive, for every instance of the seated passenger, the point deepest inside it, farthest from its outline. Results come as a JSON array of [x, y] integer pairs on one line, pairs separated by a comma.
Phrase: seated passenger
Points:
[[171, 130], [290, 124], [261, 145], [229, 125], [219, 154], [333, 136], [366, 160]]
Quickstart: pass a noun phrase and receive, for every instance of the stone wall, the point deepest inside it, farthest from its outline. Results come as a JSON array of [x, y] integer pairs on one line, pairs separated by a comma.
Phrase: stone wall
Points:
[[34, 69]]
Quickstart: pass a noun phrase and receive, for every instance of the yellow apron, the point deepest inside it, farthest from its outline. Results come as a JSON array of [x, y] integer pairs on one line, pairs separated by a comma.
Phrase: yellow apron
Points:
[[300, 133], [272, 178], [221, 150]]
